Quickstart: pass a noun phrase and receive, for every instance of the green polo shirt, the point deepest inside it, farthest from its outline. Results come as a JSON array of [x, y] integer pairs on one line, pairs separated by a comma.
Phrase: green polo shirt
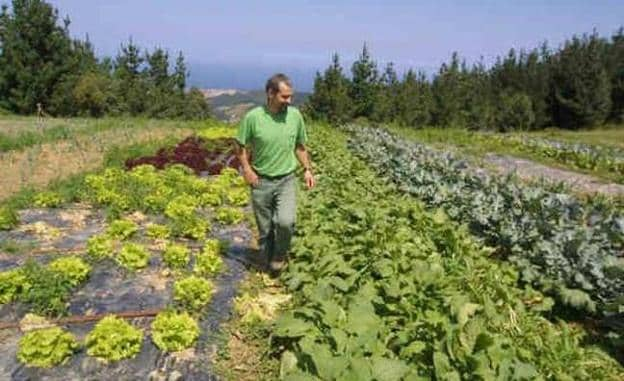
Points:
[[272, 138]]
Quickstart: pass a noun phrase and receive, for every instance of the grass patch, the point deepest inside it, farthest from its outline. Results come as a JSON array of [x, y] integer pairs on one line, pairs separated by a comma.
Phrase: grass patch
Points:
[[24, 132]]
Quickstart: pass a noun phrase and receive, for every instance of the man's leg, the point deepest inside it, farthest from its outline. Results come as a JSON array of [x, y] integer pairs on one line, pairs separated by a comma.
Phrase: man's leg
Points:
[[284, 222], [262, 202]]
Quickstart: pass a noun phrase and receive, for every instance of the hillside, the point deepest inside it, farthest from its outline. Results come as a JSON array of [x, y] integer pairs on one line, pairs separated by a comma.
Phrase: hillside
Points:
[[229, 105]]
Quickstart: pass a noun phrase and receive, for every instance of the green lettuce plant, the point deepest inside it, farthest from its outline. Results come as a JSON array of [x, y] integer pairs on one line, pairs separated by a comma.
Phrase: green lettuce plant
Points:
[[73, 269], [192, 293], [46, 347], [176, 256], [173, 331], [133, 256], [113, 339]]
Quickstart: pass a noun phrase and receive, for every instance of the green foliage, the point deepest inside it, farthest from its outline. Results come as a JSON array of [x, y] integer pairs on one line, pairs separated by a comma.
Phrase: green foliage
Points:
[[515, 112], [193, 293], [546, 234], [364, 89], [100, 247], [73, 269], [208, 261], [581, 84], [330, 100], [238, 197], [47, 200], [93, 94], [45, 290], [158, 231], [172, 331], [122, 229], [113, 339], [12, 284], [230, 216], [394, 292], [8, 218], [176, 256], [46, 347], [133, 256]]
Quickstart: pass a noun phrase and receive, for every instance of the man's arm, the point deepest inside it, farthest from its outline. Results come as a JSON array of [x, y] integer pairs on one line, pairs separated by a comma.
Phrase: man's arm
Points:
[[248, 172], [302, 156]]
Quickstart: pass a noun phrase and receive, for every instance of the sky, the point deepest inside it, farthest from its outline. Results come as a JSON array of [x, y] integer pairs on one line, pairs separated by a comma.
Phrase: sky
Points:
[[237, 43]]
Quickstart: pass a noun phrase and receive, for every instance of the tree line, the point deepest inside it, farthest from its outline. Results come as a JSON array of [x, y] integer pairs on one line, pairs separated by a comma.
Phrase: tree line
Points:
[[42, 66], [580, 84]]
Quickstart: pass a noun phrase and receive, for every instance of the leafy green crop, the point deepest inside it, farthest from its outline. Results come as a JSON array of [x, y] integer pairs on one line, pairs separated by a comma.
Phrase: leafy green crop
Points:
[[47, 200], [12, 284], [100, 247], [133, 256], [114, 339], [185, 220], [176, 256], [208, 261], [8, 218], [230, 216], [559, 243], [384, 290], [193, 293], [122, 229], [46, 347], [48, 291], [158, 231], [73, 269], [172, 331], [238, 197]]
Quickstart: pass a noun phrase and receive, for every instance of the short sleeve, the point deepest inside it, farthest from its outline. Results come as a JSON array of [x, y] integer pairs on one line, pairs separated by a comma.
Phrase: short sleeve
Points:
[[302, 136], [244, 130]]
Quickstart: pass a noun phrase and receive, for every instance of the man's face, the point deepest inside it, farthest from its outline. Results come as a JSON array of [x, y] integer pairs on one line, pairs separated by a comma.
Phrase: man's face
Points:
[[282, 98]]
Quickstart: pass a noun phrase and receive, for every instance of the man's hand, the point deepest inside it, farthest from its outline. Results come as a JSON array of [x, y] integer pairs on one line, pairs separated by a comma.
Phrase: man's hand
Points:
[[309, 179], [251, 177]]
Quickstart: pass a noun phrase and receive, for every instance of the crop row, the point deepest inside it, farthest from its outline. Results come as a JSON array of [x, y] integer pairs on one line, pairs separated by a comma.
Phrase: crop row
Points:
[[571, 249], [384, 290]]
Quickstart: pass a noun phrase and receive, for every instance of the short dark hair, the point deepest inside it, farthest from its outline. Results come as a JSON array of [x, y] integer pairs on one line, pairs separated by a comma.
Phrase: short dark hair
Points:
[[273, 82]]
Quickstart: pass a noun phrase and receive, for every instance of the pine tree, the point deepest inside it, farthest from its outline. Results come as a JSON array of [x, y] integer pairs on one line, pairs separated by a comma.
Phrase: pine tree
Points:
[[385, 109], [33, 56], [415, 101], [330, 100], [364, 85], [180, 74], [582, 91]]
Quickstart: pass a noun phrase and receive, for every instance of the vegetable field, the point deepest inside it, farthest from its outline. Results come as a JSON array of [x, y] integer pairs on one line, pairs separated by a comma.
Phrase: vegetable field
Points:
[[409, 263]]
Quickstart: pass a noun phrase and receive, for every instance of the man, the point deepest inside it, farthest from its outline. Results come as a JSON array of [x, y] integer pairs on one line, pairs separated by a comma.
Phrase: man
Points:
[[271, 139]]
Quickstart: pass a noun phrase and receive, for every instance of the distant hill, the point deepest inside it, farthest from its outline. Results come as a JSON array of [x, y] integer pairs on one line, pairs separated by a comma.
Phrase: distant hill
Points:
[[230, 105]]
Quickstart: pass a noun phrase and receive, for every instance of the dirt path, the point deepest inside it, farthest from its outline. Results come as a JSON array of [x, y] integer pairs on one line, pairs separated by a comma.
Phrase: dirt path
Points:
[[530, 170]]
